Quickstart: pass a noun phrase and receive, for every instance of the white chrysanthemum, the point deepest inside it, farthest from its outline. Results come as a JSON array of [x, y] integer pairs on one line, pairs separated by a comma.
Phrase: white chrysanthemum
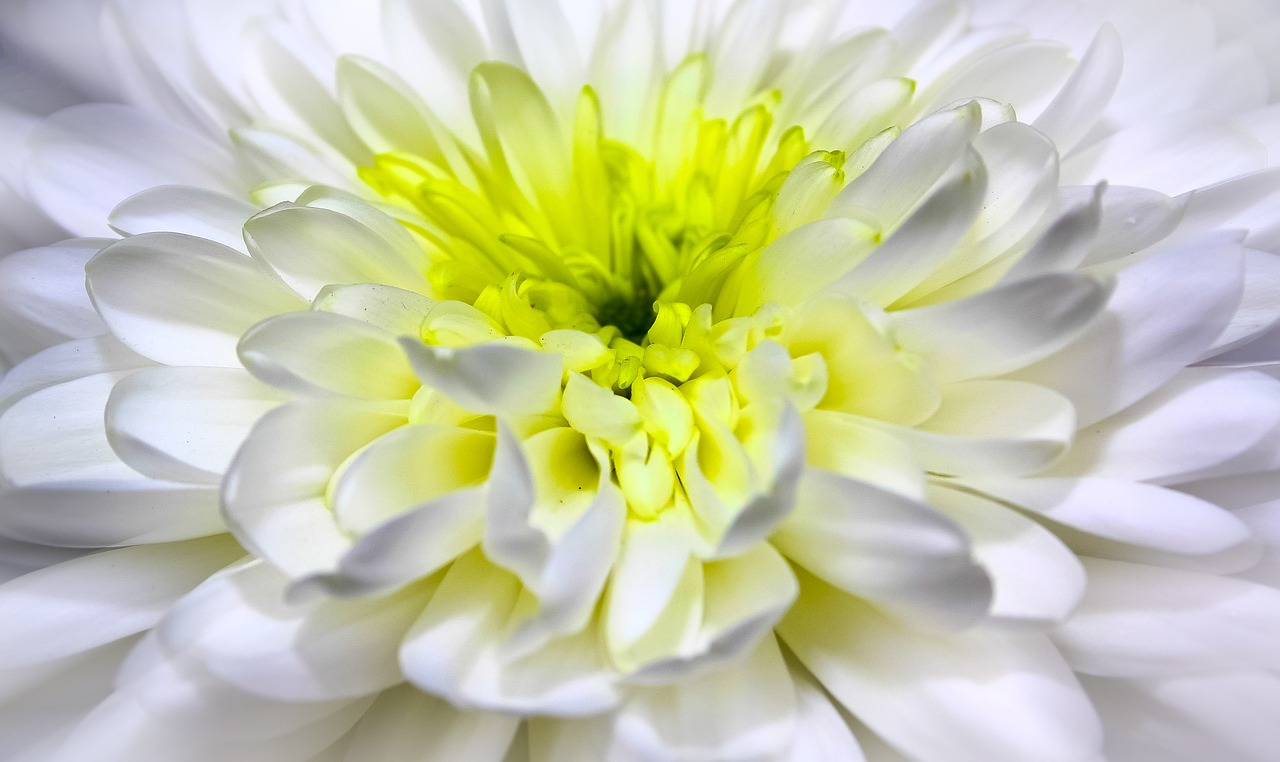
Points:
[[639, 381]]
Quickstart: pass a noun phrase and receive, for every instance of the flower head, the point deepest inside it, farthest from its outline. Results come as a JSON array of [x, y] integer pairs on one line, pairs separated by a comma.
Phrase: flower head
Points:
[[753, 385]]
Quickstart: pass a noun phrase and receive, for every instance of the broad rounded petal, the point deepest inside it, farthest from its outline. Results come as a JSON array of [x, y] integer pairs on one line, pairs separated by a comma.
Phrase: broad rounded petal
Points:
[[87, 602], [1173, 154], [742, 599], [58, 434], [565, 567], [122, 730], [803, 262], [67, 362], [281, 72], [1139, 342], [392, 309], [1131, 521], [971, 696], [405, 723], [407, 547], [923, 241], [1035, 578], [185, 424], [1216, 715], [886, 547], [88, 158], [322, 353], [407, 468], [821, 732], [995, 427], [382, 110], [495, 378], [1255, 327], [178, 692], [274, 493], [652, 587], [199, 212], [1132, 219], [1174, 622], [746, 710], [103, 514], [238, 626], [454, 651], [909, 167], [850, 447], [761, 515], [1191, 428], [180, 300], [1002, 329], [1082, 100], [43, 301], [313, 247]]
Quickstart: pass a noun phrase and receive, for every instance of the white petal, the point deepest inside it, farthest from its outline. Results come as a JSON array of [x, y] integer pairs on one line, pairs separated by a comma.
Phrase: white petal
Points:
[[313, 247], [743, 598], [392, 309], [320, 353], [495, 378], [280, 70], [185, 424], [274, 494], [1082, 100], [120, 730], [66, 362], [1178, 153], [1023, 75], [1191, 428], [180, 300], [177, 692], [992, 427], [976, 696], [1255, 326], [760, 516], [406, 468], [885, 547], [567, 572], [407, 547], [198, 212], [384, 111], [88, 158], [43, 301], [1132, 521], [922, 241], [87, 602], [1035, 578], [909, 167], [1173, 622], [821, 732], [1234, 715], [1142, 339], [58, 434], [803, 262], [1132, 219], [97, 514], [406, 724], [1002, 329], [454, 651], [238, 626], [744, 711], [651, 570]]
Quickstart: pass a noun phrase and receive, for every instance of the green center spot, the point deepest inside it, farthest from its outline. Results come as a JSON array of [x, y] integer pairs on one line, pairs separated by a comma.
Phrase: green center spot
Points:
[[633, 316]]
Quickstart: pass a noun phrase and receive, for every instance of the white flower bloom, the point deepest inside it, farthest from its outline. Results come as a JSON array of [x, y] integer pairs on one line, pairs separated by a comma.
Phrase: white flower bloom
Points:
[[508, 380]]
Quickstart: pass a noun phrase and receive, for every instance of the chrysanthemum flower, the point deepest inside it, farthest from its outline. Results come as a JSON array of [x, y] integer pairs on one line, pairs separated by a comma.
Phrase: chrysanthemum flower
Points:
[[633, 381]]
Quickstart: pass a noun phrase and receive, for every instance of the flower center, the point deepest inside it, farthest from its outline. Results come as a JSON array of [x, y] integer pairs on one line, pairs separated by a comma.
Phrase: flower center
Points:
[[637, 262]]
